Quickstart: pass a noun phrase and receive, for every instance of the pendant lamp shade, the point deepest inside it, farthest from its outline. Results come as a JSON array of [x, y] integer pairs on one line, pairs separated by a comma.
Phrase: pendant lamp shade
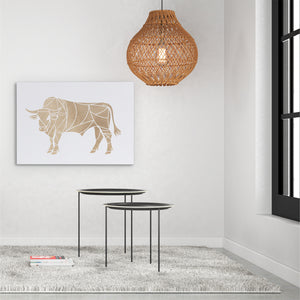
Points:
[[162, 52]]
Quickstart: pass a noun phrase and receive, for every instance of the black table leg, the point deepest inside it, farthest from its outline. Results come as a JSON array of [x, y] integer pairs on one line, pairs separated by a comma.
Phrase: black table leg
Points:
[[158, 240], [150, 236], [105, 236], [125, 226], [131, 248], [78, 220], [131, 199]]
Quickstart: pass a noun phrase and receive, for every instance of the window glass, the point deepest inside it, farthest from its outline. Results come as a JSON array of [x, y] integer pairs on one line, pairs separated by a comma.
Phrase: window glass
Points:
[[286, 16], [290, 158], [296, 68], [289, 107], [286, 158], [296, 169], [296, 18], [286, 77]]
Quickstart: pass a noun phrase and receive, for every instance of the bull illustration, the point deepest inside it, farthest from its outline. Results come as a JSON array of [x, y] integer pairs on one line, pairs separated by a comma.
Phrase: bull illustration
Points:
[[58, 116]]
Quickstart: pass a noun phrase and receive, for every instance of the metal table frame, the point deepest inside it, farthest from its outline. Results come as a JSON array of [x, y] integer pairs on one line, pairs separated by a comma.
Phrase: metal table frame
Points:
[[138, 206], [107, 192]]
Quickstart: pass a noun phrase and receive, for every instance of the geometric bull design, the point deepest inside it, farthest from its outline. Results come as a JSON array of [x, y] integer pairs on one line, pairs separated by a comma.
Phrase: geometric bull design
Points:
[[58, 116]]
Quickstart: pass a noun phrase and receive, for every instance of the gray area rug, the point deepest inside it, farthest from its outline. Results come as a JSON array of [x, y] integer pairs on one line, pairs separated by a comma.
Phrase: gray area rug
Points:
[[183, 270]]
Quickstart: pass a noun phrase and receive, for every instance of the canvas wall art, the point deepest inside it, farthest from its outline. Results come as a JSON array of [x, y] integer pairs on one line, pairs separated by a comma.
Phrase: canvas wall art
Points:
[[75, 123]]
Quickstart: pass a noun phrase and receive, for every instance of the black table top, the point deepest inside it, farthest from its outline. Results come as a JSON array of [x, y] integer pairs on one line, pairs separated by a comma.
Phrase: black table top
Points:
[[112, 191], [138, 205]]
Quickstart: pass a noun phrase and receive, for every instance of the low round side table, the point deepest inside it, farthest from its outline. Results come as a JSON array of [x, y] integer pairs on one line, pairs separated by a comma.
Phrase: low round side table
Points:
[[138, 206], [107, 192]]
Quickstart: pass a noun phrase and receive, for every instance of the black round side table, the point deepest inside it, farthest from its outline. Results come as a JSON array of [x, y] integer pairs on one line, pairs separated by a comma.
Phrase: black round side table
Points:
[[107, 192], [137, 206]]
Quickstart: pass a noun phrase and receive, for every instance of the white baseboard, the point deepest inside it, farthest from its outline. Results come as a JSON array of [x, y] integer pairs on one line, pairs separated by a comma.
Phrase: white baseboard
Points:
[[207, 242], [264, 262]]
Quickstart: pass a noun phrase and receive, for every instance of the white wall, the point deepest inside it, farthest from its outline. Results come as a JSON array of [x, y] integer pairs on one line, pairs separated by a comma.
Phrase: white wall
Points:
[[179, 134], [178, 159], [268, 241]]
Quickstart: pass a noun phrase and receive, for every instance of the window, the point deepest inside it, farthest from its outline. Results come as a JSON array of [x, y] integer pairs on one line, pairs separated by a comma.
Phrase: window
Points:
[[285, 108]]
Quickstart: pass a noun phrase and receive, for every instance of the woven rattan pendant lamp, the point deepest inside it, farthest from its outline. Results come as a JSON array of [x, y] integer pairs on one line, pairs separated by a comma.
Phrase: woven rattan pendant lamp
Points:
[[162, 52]]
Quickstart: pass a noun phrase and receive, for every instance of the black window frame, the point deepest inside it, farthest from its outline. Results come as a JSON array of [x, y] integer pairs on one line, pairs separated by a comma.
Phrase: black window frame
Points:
[[283, 206]]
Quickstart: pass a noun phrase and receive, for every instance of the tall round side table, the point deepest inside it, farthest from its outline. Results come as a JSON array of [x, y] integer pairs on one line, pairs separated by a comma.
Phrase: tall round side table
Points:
[[107, 192]]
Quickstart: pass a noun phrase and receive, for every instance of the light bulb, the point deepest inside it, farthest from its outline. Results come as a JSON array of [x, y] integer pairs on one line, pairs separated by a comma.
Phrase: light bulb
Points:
[[162, 55]]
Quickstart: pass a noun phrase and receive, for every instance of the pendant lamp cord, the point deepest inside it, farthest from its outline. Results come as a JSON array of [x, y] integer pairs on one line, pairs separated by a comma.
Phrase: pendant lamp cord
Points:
[[161, 4]]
